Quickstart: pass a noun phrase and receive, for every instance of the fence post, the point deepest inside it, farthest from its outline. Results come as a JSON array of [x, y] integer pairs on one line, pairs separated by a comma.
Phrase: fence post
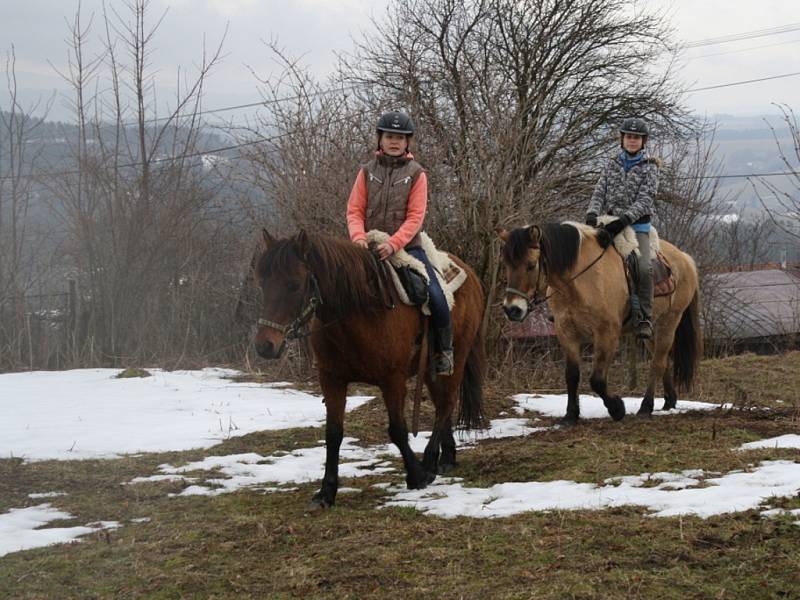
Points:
[[72, 319]]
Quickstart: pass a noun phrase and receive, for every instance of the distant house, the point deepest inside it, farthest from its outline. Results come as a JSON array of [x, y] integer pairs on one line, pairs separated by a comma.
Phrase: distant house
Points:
[[756, 309], [537, 327]]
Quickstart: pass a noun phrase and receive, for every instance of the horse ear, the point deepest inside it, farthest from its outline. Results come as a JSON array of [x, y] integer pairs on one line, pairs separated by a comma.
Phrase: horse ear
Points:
[[268, 239], [535, 234], [502, 233]]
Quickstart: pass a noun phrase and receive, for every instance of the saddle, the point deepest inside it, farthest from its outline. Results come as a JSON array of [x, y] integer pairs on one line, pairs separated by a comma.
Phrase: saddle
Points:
[[627, 247], [663, 279], [410, 278]]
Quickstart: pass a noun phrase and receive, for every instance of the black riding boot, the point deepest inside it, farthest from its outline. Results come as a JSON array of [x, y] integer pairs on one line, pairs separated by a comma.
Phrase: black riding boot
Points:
[[644, 329], [644, 289], [443, 358]]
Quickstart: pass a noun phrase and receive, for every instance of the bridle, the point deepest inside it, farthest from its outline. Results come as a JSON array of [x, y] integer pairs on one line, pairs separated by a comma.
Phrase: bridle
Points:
[[307, 312], [535, 300], [531, 301]]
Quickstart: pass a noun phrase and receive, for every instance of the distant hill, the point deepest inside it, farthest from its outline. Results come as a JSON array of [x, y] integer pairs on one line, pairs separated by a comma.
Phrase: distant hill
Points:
[[748, 144]]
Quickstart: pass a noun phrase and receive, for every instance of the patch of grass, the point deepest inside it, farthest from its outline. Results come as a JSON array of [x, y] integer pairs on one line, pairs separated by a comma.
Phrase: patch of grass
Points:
[[131, 372], [254, 545]]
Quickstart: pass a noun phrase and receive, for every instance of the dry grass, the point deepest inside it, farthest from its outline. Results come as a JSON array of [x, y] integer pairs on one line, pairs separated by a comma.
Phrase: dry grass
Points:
[[254, 545]]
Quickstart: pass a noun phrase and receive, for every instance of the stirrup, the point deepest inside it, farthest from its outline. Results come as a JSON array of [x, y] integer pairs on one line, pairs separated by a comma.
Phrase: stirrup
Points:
[[644, 329], [443, 363]]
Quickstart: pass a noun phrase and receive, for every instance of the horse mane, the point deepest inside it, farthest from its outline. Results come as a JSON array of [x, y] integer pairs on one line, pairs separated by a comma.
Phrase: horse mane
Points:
[[560, 244], [346, 274], [517, 246]]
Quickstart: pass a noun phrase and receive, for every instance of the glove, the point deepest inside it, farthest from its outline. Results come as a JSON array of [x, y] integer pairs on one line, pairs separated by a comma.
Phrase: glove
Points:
[[603, 237], [614, 227], [591, 219]]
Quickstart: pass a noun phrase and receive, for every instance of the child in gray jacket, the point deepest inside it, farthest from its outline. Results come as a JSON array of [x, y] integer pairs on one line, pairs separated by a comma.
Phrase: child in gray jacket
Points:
[[626, 189]]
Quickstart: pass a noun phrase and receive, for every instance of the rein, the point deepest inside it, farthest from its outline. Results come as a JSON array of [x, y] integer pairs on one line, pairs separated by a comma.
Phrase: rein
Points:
[[534, 301]]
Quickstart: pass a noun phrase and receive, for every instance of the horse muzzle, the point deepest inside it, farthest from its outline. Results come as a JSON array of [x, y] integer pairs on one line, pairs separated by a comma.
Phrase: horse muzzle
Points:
[[514, 312], [269, 350]]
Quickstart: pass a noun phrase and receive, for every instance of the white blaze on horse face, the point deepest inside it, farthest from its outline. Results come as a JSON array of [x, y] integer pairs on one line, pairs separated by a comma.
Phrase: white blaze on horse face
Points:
[[515, 301], [518, 293]]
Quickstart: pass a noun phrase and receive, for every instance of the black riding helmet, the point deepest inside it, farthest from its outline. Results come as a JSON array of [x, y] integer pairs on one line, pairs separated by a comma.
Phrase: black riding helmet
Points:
[[636, 126], [395, 122]]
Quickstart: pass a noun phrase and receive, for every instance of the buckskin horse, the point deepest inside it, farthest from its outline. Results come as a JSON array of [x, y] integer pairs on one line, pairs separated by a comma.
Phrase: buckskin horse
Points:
[[585, 287], [332, 285]]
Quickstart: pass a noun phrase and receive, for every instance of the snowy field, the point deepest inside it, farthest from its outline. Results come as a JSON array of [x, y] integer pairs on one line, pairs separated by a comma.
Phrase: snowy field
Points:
[[90, 414]]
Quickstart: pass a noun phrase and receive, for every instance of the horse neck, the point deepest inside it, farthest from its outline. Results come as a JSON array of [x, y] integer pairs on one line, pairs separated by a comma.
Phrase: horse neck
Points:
[[343, 278], [580, 282]]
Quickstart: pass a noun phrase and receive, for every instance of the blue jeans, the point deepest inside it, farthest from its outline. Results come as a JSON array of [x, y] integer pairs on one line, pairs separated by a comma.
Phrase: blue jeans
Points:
[[440, 313]]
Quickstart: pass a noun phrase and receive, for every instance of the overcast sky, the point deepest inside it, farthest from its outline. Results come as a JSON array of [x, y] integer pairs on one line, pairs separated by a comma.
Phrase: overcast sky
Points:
[[316, 29]]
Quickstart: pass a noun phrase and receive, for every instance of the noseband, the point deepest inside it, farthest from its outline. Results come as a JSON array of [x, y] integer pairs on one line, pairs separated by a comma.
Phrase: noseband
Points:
[[292, 330], [532, 301]]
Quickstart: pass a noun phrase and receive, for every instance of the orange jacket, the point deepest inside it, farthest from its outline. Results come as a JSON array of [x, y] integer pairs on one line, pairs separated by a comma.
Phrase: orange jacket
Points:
[[415, 211]]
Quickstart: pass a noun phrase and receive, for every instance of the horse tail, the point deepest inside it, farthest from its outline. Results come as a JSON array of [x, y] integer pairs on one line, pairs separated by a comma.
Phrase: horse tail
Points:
[[470, 412], [688, 346]]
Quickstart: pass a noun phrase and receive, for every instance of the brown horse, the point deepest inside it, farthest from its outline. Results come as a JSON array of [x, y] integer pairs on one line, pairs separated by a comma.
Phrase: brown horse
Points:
[[584, 285], [333, 285]]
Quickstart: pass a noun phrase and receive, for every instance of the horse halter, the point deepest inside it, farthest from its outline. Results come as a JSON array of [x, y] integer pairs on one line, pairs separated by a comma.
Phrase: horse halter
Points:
[[292, 330], [532, 301]]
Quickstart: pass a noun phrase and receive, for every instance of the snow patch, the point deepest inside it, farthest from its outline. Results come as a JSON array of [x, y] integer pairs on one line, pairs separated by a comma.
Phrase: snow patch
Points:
[[19, 528]]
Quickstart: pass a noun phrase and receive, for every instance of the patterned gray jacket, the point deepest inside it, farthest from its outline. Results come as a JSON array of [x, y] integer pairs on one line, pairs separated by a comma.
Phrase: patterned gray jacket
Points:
[[628, 194]]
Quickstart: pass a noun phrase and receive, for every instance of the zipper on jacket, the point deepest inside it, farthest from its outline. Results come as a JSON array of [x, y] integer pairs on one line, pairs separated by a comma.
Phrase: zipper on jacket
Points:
[[386, 193]]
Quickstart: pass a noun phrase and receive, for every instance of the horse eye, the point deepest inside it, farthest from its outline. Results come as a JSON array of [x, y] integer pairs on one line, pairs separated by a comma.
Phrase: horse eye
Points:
[[531, 267]]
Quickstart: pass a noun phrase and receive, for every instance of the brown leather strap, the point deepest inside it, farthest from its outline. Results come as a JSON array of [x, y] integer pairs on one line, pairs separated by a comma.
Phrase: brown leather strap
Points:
[[380, 267], [421, 366]]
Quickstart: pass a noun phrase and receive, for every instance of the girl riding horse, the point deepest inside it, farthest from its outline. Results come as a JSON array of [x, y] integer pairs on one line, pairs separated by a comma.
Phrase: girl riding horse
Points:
[[626, 189], [390, 194]]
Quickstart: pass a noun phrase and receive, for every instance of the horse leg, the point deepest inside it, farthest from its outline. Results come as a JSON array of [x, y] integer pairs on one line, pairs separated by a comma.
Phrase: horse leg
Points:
[[447, 462], [441, 439], [670, 395], [572, 375], [394, 393], [335, 393], [605, 346], [444, 392], [664, 338]]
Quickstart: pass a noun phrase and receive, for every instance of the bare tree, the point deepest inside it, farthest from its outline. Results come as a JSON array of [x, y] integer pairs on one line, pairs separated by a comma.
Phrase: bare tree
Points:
[[137, 204], [515, 104], [785, 210], [516, 101], [21, 149], [310, 144]]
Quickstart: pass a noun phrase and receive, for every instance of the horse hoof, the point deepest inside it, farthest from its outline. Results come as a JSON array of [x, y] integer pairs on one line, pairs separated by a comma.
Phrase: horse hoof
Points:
[[445, 468], [319, 502], [616, 408], [420, 480], [417, 485], [568, 422], [669, 405], [644, 414]]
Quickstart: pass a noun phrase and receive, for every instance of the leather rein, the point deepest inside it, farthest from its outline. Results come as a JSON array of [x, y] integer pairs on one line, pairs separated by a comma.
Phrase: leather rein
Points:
[[534, 301]]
